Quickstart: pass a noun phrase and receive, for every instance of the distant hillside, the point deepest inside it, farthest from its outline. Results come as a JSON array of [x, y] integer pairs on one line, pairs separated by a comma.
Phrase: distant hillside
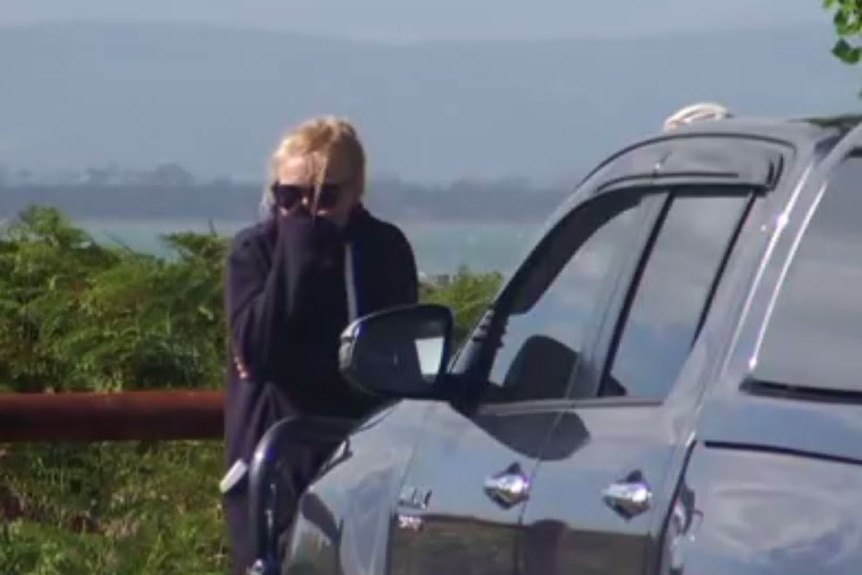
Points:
[[216, 100], [500, 201]]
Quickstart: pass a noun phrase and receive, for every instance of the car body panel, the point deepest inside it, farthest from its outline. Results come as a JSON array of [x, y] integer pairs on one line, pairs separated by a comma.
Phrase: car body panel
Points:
[[759, 512], [818, 428], [343, 521], [461, 525], [568, 527]]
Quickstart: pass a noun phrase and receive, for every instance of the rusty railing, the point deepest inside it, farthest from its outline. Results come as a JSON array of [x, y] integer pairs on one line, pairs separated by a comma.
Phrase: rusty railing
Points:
[[122, 416]]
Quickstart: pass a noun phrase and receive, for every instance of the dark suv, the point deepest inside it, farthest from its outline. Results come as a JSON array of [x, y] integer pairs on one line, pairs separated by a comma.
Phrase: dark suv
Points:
[[671, 382]]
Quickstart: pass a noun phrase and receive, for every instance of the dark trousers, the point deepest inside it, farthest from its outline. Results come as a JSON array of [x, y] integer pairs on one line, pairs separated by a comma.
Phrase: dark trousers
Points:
[[302, 465], [236, 510]]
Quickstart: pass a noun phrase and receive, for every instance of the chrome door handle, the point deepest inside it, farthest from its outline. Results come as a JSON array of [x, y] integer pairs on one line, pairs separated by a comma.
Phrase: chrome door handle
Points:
[[509, 487], [629, 497]]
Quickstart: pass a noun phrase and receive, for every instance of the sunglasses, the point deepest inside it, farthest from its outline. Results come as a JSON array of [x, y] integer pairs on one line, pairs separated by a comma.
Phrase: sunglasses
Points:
[[288, 196]]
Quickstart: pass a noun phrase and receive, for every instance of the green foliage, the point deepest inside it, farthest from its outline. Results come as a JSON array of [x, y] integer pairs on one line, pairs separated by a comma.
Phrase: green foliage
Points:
[[847, 19], [112, 508], [76, 315], [468, 295]]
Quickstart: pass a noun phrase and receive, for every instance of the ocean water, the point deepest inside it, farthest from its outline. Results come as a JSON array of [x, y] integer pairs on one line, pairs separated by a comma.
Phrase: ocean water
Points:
[[440, 248]]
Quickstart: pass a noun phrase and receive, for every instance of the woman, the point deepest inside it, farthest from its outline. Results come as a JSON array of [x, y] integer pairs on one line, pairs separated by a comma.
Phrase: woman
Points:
[[294, 282]]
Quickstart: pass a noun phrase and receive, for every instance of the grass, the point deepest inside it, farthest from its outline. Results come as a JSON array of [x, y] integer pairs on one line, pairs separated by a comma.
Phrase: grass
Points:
[[123, 508]]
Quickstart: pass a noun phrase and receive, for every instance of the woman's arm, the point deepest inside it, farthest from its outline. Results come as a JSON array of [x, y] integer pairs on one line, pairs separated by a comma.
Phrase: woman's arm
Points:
[[265, 299]]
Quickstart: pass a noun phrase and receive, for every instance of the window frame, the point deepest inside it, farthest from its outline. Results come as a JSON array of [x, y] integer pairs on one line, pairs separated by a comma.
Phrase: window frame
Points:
[[608, 340], [649, 200]]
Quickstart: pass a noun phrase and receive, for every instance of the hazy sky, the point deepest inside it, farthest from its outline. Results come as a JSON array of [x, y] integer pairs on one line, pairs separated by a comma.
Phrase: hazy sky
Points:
[[436, 19]]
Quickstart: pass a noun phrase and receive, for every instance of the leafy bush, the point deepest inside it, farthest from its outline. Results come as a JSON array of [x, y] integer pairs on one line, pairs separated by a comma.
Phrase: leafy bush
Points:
[[467, 294], [76, 315]]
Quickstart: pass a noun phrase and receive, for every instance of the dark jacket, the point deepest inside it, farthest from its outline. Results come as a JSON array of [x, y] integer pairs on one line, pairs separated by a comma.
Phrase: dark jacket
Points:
[[287, 304]]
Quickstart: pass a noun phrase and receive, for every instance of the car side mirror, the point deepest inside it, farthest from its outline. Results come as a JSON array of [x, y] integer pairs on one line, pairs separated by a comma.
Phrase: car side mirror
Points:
[[399, 352]]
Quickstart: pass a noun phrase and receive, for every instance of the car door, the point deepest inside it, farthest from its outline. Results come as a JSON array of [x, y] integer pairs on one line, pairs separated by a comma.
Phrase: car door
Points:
[[464, 490], [594, 509]]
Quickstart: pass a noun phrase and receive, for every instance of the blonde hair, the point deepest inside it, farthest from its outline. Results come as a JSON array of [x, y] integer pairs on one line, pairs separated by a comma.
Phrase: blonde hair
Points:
[[321, 139], [696, 113]]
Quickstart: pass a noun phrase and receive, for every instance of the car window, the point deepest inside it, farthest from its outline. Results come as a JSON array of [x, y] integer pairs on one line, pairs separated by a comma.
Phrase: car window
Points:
[[814, 336], [556, 302], [671, 295]]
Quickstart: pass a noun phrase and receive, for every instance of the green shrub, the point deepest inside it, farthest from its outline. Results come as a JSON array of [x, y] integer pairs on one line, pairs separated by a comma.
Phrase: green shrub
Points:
[[468, 295]]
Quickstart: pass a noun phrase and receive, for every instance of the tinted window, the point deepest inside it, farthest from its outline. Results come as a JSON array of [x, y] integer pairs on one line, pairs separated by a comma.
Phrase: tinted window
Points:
[[555, 308], [671, 296], [815, 335]]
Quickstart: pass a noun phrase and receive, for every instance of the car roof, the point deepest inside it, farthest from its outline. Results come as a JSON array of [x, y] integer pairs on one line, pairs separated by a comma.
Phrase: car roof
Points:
[[790, 130], [804, 135]]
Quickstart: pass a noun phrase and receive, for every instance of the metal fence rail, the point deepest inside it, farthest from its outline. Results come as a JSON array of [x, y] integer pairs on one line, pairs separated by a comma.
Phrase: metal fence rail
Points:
[[122, 416]]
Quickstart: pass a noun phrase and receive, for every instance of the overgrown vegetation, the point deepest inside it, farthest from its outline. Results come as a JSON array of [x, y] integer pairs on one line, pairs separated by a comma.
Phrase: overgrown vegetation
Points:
[[76, 315]]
